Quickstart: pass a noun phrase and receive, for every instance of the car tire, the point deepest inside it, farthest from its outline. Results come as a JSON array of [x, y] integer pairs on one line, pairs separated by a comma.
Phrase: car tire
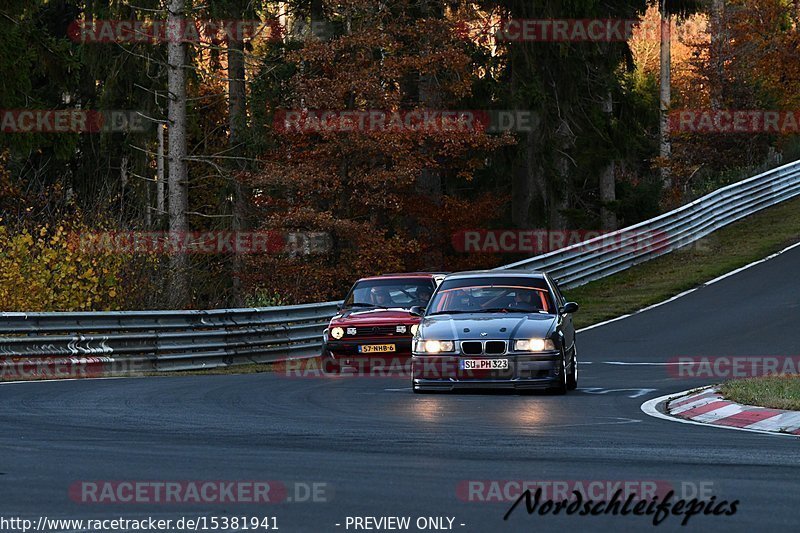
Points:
[[572, 377], [561, 388]]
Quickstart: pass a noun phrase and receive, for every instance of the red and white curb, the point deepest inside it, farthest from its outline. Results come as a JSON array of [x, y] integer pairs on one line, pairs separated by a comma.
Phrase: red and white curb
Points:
[[708, 407]]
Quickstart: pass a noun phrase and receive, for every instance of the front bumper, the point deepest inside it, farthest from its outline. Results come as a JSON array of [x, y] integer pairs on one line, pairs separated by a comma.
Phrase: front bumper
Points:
[[344, 353], [525, 371]]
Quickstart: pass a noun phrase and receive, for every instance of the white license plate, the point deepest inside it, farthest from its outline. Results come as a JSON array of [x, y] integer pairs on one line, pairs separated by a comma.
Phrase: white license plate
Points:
[[484, 364], [377, 348]]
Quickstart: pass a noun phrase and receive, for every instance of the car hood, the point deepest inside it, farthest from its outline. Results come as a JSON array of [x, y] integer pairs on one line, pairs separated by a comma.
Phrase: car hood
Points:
[[354, 317], [499, 326]]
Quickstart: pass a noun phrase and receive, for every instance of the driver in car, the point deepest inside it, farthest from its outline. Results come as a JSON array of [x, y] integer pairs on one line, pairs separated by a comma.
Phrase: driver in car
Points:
[[380, 296], [524, 300]]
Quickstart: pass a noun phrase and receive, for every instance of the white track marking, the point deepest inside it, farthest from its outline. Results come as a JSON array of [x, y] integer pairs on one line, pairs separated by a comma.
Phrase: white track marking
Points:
[[62, 380], [684, 293], [788, 421], [645, 363], [695, 403], [723, 412], [600, 390], [649, 408]]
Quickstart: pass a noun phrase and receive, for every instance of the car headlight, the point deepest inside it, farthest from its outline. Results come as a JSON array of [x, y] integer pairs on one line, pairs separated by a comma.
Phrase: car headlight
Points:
[[534, 345], [337, 333], [434, 347], [414, 329]]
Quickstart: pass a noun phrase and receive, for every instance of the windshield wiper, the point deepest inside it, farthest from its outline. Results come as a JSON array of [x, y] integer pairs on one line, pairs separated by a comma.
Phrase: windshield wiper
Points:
[[451, 312], [499, 310], [362, 304]]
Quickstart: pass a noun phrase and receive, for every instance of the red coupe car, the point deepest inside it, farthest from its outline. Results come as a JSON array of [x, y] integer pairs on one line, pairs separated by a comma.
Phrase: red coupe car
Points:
[[374, 328]]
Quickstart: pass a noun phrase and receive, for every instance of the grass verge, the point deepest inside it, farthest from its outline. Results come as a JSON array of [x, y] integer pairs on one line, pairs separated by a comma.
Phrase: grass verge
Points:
[[777, 392], [725, 250]]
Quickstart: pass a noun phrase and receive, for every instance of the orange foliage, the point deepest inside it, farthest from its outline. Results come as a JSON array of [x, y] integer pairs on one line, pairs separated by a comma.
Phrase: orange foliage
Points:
[[363, 187]]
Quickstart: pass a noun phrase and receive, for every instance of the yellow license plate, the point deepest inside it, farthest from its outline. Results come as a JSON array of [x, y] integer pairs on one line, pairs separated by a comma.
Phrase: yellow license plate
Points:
[[377, 348]]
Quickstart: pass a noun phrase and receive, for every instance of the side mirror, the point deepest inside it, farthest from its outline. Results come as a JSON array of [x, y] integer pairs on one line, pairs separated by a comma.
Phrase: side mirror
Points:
[[417, 310], [569, 308]]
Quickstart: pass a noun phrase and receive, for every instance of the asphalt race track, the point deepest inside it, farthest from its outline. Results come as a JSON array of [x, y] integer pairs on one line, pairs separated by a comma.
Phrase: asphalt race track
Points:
[[383, 451]]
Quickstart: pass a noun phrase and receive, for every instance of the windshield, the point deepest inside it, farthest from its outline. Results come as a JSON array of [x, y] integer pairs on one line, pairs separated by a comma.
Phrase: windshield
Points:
[[488, 296], [387, 293]]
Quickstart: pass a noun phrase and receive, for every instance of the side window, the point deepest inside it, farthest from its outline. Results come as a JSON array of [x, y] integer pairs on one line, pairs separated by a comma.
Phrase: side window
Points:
[[560, 301], [559, 296]]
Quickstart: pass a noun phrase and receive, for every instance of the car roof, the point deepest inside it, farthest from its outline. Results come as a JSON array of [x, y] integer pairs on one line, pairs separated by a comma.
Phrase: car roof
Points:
[[412, 274], [497, 273], [428, 275]]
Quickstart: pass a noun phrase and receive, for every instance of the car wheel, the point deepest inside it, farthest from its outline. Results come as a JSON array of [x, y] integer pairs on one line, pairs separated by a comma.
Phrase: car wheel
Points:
[[572, 377], [561, 388]]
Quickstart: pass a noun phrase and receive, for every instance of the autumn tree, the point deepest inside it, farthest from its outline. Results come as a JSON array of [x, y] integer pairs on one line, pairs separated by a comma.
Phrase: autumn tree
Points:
[[363, 186]]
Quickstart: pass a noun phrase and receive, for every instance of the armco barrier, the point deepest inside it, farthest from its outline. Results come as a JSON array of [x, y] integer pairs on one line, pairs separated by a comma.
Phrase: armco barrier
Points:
[[146, 341], [613, 252], [142, 341]]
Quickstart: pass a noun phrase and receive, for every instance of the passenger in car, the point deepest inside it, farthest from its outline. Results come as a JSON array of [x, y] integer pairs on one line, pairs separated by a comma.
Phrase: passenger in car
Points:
[[423, 296]]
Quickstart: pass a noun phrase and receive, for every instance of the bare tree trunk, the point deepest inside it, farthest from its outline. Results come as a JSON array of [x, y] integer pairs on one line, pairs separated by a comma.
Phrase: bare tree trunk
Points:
[[123, 178], [524, 184], [528, 187], [665, 147], [560, 185], [160, 176], [237, 121], [148, 212], [717, 59], [178, 171], [430, 181], [608, 192], [608, 195]]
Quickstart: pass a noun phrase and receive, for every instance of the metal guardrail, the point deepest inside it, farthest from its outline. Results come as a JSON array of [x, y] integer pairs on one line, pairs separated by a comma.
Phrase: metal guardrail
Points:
[[126, 342], [619, 250], [142, 341]]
